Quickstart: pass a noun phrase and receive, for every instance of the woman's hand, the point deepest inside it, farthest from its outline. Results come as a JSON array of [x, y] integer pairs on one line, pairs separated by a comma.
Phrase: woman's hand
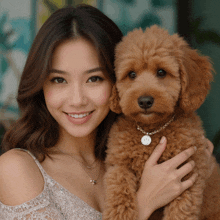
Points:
[[161, 183]]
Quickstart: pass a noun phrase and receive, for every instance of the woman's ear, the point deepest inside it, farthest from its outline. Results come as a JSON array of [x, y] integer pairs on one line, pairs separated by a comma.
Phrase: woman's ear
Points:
[[196, 76], [114, 101]]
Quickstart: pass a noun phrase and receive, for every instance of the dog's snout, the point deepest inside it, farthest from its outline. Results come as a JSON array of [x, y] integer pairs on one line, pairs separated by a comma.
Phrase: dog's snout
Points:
[[145, 102]]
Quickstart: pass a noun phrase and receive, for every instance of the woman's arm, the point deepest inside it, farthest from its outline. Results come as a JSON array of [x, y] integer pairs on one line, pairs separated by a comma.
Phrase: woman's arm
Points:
[[161, 183]]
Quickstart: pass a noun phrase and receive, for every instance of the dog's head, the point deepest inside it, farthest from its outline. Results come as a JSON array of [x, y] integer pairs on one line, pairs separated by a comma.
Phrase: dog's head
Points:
[[157, 74]]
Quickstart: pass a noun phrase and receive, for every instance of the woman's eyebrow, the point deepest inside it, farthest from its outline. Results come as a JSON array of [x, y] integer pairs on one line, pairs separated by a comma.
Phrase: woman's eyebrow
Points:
[[57, 71], [97, 69]]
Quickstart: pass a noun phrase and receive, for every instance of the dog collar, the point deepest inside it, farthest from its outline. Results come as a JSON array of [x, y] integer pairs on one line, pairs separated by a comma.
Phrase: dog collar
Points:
[[146, 139]]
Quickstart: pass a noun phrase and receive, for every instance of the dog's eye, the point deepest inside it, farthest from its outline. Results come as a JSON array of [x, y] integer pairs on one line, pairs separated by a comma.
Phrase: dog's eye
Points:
[[161, 73], [132, 75]]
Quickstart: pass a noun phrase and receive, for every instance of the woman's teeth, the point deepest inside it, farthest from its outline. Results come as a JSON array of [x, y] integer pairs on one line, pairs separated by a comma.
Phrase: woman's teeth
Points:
[[78, 115]]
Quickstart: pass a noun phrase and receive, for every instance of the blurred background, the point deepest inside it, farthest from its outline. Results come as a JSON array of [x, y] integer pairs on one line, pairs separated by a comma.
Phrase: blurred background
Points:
[[196, 20]]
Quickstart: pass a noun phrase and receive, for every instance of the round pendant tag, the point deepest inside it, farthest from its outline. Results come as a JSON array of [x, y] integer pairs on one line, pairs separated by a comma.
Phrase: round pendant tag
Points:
[[146, 140]]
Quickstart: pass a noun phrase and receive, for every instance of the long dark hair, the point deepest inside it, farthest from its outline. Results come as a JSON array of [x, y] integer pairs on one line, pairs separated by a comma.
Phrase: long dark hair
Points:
[[36, 130]]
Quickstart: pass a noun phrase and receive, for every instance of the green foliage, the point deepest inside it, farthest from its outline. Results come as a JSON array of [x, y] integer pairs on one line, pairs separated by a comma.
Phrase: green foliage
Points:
[[162, 3], [5, 46], [126, 22], [70, 2], [148, 20], [201, 35], [130, 2], [50, 5], [53, 7], [3, 65]]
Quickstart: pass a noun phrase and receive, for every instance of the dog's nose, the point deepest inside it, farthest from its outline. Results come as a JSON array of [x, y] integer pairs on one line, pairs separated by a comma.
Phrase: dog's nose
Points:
[[145, 102]]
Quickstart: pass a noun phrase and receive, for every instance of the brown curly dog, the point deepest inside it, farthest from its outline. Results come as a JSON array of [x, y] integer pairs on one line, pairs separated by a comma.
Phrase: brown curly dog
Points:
[[158, 77]]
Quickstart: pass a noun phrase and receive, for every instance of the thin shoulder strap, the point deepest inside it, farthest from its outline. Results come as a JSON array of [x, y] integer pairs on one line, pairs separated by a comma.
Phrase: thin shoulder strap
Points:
[[36, 161]]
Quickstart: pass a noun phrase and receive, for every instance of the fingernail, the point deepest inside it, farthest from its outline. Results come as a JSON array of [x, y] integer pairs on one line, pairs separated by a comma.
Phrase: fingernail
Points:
[[195, 148], [162, 140]]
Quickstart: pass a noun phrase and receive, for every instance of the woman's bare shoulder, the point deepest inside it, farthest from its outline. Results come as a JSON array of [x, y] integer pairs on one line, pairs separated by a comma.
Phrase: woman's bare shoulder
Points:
[[20, 179]]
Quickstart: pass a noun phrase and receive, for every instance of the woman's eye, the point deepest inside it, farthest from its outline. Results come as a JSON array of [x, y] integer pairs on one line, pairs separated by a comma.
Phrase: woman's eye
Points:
[[161, 73], [95, 79], [132, 75], [58, 80]]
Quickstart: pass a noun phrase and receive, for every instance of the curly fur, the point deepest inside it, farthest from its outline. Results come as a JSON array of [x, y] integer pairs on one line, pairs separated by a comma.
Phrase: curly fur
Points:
[[179, 93]]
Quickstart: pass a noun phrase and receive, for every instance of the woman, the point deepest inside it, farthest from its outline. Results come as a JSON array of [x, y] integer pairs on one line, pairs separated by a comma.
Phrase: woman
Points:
[[54, 164]]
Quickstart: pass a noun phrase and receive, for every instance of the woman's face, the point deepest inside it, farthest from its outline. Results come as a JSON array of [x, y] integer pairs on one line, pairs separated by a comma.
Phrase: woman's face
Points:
[[77, 91]]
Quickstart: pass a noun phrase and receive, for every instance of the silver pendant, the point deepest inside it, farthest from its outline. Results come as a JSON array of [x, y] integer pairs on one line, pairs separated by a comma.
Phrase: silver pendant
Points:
[[93, 182], [146, 140]]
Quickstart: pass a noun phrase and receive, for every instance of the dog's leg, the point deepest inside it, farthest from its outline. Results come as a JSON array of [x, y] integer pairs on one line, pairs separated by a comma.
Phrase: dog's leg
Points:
[[120, 194], [188, 205]]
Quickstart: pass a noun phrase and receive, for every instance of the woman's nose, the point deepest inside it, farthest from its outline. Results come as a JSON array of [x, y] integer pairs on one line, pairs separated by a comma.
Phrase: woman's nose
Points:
[[77, 96]]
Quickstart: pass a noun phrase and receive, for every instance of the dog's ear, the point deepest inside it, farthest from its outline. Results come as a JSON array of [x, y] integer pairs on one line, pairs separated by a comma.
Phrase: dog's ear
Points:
[[196, 75], [114, 101]]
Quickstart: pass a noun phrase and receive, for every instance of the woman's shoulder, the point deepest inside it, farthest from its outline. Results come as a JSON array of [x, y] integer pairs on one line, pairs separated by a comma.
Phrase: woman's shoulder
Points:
[[20, 179]]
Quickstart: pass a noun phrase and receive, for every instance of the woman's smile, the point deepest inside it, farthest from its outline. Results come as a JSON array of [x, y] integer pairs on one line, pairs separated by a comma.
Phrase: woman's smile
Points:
[[79, 115], [79, 118]]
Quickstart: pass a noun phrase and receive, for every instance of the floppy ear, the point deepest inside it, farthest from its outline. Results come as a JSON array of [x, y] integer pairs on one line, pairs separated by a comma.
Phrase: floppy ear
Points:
[[196, 75], [114, 101]]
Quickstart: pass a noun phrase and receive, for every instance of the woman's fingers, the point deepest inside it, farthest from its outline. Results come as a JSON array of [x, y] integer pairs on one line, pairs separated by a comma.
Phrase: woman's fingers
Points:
[[185, 169], [181, 157], [178, 159], [156, 154], [189, 182]]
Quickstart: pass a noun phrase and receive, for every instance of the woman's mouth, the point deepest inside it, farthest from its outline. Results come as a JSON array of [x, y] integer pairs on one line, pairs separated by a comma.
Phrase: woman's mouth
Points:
[[79, 118], [79, 115]]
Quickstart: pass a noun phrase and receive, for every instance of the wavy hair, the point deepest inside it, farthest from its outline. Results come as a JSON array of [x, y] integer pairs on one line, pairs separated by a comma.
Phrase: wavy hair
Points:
[[36, 130]]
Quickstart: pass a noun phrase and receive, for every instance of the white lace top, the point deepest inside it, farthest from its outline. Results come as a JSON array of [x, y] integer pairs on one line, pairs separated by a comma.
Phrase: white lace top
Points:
[[53, 203]]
